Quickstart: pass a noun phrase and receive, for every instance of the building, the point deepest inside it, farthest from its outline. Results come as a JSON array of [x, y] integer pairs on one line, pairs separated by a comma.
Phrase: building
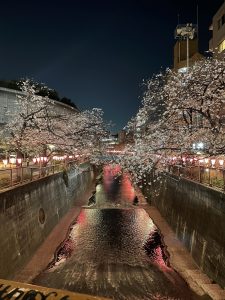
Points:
[[9, 105], [217, 42], [186, 47]]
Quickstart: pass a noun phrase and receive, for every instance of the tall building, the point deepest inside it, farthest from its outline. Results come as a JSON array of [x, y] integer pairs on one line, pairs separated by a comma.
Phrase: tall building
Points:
[[186, 46], [217, 42]]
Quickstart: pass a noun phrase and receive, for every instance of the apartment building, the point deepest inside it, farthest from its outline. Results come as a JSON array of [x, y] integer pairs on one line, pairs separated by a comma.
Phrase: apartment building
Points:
[[217, 42]]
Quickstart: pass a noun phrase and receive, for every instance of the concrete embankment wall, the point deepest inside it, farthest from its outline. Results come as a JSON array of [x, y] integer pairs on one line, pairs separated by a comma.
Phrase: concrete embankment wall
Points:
[[29, 212], [197, 215]]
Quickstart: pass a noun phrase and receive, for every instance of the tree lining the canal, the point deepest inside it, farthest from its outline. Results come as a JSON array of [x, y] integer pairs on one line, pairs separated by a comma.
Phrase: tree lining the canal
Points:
[[178, 110], [41, 121]]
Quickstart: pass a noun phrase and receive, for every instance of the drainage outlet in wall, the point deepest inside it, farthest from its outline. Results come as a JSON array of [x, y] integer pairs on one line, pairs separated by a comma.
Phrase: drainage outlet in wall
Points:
[[41, 216]]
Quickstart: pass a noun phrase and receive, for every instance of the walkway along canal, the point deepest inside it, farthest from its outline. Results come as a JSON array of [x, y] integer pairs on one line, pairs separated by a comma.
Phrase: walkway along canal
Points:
[[113, 249]]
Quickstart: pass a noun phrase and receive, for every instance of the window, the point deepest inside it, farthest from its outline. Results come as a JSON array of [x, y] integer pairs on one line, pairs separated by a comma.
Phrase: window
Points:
[[223, 19], [218, 24], [221, 46]]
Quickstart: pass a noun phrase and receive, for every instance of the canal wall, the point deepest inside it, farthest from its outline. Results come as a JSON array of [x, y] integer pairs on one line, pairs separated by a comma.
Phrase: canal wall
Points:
[[196, 213], [29, 212]]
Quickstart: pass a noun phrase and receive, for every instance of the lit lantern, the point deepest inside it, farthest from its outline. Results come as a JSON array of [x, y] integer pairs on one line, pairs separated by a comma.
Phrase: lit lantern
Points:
[[184, 159], [70, 156], [221, 162], [191, 160], [12, 160], [213, 161], [206, 160], [42, 158], [19, 160], [38, 159], [34, 160], [45, 158], [5, 161]]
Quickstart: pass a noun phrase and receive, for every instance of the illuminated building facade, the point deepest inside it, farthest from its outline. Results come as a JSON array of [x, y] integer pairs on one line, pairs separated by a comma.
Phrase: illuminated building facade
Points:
[[217, 42]]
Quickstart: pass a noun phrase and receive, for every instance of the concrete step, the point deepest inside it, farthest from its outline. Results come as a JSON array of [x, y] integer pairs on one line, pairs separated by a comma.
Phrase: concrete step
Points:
[[214, 291]]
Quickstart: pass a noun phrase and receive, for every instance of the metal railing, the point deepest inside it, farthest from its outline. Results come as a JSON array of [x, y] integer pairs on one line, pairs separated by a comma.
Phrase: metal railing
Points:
[[214, 177], [10, 177]]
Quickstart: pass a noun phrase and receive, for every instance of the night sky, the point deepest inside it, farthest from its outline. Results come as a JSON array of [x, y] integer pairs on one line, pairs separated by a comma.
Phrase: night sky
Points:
[[95, 52]]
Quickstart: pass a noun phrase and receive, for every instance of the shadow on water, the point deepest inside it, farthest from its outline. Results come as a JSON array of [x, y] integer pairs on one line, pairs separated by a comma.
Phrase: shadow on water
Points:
[[114, 251]]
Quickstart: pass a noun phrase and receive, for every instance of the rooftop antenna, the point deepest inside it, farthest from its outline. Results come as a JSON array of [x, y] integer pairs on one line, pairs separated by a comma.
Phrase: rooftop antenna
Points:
[[197, 23], [178, 22], [197, 15]]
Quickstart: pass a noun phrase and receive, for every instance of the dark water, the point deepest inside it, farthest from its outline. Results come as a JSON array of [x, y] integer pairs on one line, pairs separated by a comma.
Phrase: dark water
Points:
[[113, 249]]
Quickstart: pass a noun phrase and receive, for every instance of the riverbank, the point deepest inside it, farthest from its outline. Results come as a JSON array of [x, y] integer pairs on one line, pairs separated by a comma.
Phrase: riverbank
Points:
[[180, 259], [45, 253]]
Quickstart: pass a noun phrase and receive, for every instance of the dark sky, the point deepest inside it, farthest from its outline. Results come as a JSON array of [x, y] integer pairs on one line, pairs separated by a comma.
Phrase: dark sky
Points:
[[95, 52]]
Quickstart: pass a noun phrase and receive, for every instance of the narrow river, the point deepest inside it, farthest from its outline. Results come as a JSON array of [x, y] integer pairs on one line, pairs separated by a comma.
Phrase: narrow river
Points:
[[113, 249]]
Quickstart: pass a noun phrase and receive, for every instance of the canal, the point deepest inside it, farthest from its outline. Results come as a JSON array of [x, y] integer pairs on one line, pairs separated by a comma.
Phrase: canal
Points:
[[113, 249]]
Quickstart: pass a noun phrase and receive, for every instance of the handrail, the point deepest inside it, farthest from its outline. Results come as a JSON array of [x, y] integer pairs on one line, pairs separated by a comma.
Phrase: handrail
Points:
[[210, 176], [10, 177]]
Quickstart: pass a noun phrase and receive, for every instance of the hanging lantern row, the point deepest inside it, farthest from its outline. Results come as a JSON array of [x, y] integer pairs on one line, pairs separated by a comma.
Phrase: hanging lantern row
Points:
[[201, 161], [59, 157], [35, 160], [40, 159], [64, 157], [12, 160]]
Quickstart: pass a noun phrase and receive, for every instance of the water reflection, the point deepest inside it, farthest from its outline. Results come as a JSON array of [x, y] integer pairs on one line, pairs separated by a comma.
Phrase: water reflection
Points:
[[113, 249]]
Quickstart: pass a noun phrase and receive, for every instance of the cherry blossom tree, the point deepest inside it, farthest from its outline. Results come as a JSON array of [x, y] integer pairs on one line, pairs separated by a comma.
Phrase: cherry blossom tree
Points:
[[40, 121], [179, 110]]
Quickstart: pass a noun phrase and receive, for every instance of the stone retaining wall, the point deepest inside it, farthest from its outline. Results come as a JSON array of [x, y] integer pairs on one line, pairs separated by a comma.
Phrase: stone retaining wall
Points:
[[197, 215], [29, 212]]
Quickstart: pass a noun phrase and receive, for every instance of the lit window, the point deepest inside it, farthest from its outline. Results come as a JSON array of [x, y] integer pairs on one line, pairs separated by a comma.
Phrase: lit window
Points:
[[221, 46]]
